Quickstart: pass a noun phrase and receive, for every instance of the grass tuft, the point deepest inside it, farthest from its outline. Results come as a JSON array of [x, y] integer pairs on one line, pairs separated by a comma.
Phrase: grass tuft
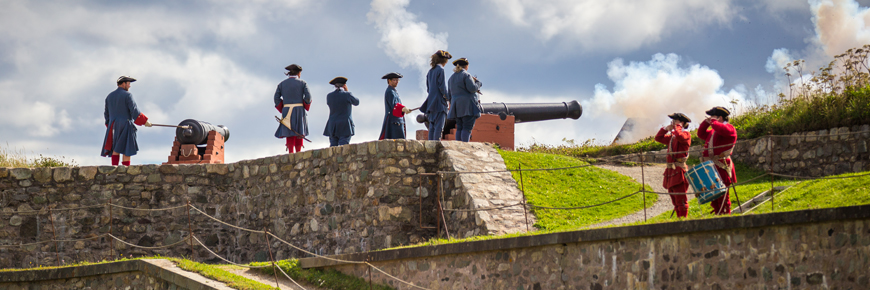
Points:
[[10, 157], [327, 279]]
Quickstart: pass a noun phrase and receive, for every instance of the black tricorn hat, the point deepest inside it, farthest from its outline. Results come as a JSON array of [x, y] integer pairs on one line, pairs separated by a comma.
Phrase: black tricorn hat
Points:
[[680, 117], [293, 67], [718, 111], [444, 54], [461, 61], [338, 80], [392, 75], [124, 79]]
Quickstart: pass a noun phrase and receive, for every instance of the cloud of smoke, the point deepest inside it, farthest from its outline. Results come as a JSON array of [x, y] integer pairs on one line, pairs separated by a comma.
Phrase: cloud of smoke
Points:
[[649, 91], [407, 41]]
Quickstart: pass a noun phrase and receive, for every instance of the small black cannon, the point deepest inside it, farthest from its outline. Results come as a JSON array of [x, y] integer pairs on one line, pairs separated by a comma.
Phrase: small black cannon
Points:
[[191, 131]]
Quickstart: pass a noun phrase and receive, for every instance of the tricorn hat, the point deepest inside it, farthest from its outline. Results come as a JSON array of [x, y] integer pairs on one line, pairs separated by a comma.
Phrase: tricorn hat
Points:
[[338, 80], [444, 54], [124, 79], [293, 67], [680, 117], [718, 111], [392, 75], [461, 61]]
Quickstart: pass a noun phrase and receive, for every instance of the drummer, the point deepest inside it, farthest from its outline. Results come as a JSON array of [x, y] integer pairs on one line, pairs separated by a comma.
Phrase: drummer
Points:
[[719, 139], [678, 140]]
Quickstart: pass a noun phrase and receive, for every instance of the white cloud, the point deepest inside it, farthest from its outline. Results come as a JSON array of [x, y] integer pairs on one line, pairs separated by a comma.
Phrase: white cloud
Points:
[[407, 41], [620, 25], [653, 89]]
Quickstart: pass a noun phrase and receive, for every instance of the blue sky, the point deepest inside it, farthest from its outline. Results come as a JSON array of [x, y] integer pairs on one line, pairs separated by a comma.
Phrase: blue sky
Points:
[[220, 61]]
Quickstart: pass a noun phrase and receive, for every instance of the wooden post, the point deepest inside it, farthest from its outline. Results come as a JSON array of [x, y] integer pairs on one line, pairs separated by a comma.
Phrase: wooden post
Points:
[[111, 240], [54, 236], [643, 185], [523, 189], [275, 266], [190, 232], [770, 169], [441, 210]]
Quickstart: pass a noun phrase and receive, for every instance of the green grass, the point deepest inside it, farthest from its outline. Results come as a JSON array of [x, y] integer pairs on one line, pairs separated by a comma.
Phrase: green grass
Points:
[[822, 193], [327, 279], [219, 273], [17, 158], [573, 188]]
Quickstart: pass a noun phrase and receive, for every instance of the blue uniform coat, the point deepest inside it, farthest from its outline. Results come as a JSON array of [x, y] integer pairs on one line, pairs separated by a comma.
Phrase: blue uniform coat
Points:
[[120, 111], [293, 91], [463, 95], [340, 122], [393, 127], [436, 101]]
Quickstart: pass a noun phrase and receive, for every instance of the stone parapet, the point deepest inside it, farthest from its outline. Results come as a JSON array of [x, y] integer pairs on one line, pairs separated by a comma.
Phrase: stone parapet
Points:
[[346, 199]]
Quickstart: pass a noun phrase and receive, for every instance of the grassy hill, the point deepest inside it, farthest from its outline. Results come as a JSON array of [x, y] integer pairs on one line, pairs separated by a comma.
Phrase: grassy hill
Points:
[[573, 188]]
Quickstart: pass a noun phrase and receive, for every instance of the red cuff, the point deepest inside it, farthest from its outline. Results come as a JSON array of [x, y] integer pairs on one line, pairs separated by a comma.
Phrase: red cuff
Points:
[[280, 106], [306, 106], [141, 120], [397, 110]]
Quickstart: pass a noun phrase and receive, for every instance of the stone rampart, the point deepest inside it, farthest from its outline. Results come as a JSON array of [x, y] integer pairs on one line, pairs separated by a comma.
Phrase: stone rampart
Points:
[[810, 249], [346, 199], [132, 274], [806, 154]]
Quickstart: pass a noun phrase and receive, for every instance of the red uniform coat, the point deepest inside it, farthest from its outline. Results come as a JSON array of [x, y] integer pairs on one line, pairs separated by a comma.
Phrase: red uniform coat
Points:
[[722, 134], [678, 141]]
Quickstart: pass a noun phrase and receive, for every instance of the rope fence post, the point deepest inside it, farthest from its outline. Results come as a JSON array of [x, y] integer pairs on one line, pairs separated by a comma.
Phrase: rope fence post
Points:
[[642, 184], [190, 232], [420, 200], [523, 189], [272, 258], [54, 236], [441, 207], [111, 225], [770, 168]]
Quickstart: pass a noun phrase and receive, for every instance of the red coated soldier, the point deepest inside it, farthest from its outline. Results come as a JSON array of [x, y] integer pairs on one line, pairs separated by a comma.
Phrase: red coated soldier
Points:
[[678, 140], [719, 139]]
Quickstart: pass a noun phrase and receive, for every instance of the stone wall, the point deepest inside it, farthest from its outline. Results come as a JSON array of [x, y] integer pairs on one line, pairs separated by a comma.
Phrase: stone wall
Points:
[[133, 274], [812, 249], [809, 154], [346, 199]]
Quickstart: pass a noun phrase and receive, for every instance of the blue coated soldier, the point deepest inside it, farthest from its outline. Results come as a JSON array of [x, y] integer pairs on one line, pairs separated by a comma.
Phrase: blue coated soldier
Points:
[[339, 126], [436, 105], [121, 114], [394, 115], [464, 100], [293, 99]]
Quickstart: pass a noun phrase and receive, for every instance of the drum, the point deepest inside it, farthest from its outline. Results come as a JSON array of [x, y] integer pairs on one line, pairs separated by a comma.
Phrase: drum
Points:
[[704, 179]]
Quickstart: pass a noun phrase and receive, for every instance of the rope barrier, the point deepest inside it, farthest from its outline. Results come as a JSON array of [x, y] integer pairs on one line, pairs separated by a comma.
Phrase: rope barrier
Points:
[[143, 247], [588, 206], [222, 258], [394, 277], [313, 254], [45, 211], [149, 209], [805, 177], [224, 223], [484, 208], [712, 190], [52, 240]]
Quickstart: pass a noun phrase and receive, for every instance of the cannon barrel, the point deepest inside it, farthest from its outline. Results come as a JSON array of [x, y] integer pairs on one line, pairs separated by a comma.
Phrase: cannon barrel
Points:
[[531, 112], [197, 132]]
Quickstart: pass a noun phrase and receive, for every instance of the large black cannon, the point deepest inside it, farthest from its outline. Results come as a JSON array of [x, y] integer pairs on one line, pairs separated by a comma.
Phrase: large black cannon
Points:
[[496, 125], [191, 131], [522, 112]]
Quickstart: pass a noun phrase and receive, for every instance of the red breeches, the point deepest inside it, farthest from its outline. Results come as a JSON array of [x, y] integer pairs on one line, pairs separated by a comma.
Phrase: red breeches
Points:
[[294, 142], [680, 202]]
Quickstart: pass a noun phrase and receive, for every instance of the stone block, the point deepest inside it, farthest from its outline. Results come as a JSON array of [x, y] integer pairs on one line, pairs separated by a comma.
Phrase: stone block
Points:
[[168, 169], [4, 172], [105, 169], [42, 175], [21, 173], [62, 174]]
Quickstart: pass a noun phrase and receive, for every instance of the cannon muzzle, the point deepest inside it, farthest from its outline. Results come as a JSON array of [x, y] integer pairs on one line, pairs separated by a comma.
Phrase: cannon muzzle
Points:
[[197, 132]]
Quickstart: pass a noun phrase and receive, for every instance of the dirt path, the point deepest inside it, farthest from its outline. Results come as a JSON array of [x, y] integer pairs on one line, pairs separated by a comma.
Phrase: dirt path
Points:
[[652, 174], [283, 282]]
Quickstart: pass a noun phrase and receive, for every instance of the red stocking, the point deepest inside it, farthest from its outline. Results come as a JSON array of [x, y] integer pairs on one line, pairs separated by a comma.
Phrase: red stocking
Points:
[[126, 163], [290, 142], [115, 159], [298, 144]]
